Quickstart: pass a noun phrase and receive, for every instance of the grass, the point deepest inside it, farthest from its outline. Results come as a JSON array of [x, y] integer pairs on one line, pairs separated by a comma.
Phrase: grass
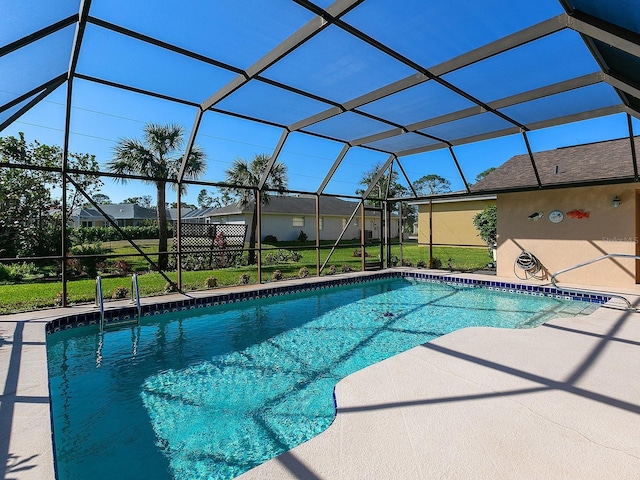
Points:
[[27, 296]]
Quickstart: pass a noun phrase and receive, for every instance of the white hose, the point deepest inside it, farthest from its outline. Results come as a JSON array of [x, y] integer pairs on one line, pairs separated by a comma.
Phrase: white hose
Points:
[[531, 266]]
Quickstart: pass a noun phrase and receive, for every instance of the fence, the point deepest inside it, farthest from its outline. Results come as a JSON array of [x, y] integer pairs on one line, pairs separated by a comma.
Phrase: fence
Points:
[[206, 246]]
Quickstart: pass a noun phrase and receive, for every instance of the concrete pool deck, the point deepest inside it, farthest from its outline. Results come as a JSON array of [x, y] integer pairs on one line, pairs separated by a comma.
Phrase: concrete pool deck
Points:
[[558, 401]]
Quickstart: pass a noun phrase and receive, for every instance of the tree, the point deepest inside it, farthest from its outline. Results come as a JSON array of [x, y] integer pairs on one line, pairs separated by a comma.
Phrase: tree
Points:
[[143, 201], [486, 223], [245, 174], [206, 200], [159, 158], [102, 199], [396, 189], [30, 217], [184, 205], [484, 173], [432, 184]]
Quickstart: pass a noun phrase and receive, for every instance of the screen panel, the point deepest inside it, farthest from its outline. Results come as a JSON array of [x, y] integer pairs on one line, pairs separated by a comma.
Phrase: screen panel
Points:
[[251, 27], [426, 100], [567, 103], [23, 17], [348, 126], [468, 127], [276, 105], [148, 67], [543, 62], [337, 66], [432, 32], [34, 64]]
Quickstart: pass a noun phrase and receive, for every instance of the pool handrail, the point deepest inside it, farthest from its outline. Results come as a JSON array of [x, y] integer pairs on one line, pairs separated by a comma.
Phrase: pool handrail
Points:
[[135, 295], [100, 301], [589, 262]]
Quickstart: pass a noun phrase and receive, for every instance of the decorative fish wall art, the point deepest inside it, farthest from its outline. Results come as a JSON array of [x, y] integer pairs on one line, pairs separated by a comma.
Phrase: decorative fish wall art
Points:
[[578, 214], [536, 216]]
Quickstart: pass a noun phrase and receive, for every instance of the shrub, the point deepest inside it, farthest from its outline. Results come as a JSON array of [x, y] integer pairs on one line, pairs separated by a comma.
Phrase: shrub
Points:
[[276, 275], [74, 266], [170, 287], [345, 269], [406, 263], [79, 236], [421, 264], [332, 270], [281, 256], [211, 282], [394, 261], [244, 279], [22, 269], [302, 237], [436, 263], [15, 272], [121, 267], [486, 224], [90, 264], [303, 272], [5, 274], [120, 292], [270, 239]]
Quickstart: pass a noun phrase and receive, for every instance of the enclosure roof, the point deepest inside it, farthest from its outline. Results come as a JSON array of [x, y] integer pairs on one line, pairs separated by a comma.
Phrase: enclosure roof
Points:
[[578, 165], [394, 77]]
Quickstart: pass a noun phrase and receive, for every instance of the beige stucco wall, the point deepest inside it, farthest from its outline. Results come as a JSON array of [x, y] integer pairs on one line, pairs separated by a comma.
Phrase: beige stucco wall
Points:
[[452, 223], [572, 241]]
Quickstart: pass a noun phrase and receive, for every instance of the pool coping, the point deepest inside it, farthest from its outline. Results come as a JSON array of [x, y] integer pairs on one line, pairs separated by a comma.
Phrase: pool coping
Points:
[[25, 420]]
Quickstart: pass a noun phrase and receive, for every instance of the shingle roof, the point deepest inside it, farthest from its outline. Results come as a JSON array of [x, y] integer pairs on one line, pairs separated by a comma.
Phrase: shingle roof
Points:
[[128, 210], [285, 205], [581, 163]]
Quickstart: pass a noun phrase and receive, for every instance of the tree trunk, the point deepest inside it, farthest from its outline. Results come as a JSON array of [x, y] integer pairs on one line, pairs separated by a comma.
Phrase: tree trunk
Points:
[[252, 237], [163, 258]]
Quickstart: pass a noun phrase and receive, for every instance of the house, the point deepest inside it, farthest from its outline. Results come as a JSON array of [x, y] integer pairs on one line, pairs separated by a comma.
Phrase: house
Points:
[[594, 214], [286, 216], [449, 221], [124, 214]]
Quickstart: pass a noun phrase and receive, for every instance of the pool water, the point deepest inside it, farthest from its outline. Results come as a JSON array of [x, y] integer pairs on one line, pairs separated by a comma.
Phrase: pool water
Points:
[[211, 393]]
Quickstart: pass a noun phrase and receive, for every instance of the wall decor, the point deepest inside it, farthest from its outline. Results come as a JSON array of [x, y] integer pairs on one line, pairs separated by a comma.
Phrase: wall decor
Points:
[[578, 214], [556, 216], [536, 216]]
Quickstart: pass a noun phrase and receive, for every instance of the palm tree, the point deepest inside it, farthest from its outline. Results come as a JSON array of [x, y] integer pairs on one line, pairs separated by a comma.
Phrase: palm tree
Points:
[[159, 158], [245, 174]]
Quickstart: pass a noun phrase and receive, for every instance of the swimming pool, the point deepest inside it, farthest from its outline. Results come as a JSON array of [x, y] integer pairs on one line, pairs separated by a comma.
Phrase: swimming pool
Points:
[[211, 393]]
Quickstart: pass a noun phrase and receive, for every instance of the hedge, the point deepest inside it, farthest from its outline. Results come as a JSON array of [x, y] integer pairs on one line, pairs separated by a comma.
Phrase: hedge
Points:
[[83, 235]]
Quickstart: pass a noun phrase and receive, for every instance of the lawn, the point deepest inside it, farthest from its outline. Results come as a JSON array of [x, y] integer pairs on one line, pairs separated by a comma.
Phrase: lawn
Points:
[[32, 295]]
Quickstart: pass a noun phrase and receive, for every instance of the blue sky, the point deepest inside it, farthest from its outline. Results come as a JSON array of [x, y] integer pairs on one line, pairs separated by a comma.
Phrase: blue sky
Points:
[[101, 115]]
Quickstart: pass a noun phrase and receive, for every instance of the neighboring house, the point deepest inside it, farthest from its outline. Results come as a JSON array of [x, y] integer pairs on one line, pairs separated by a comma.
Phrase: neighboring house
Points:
[[563, 227], [286, 216], [124, 214], [450, 221]]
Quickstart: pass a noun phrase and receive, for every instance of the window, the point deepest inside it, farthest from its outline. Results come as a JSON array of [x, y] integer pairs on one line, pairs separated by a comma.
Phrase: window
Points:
[[87, 223], [298, 221], [344, 223], [321, 223]]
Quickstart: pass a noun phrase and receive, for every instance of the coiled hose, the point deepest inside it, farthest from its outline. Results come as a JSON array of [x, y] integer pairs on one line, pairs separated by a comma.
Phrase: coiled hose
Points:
[[529, 264]]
